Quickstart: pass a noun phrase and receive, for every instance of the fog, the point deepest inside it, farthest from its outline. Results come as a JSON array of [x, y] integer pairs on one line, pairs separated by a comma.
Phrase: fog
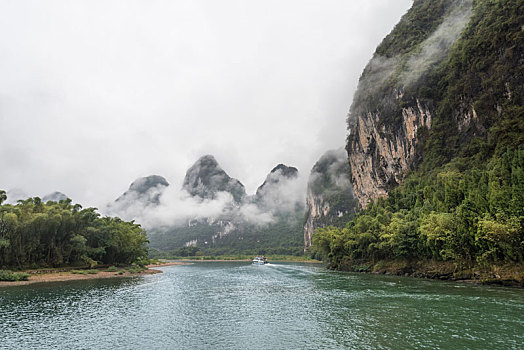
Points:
[[95, 94], [154, 203], [429, 53]]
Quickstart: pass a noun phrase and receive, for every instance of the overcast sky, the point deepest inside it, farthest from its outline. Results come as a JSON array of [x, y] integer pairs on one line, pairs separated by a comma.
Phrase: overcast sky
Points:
[[94, 94]]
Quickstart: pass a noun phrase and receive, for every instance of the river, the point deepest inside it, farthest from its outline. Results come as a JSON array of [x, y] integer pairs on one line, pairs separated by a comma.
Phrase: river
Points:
[[235, 305]]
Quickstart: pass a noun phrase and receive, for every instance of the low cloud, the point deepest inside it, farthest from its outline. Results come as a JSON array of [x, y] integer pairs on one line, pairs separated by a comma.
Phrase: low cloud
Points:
[[331, 173], [436, 47], [429, 53], [166, 206]]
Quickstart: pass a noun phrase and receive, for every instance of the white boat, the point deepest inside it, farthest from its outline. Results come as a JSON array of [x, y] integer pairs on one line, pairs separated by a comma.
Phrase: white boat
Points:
[[259, 260]]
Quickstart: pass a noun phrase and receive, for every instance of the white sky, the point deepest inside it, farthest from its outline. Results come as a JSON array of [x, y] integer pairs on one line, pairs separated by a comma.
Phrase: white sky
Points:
[[94, 94]]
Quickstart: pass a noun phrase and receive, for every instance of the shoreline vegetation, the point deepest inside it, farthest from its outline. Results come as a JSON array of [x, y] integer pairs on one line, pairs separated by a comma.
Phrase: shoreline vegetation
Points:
[[507, 275], [70, 274]]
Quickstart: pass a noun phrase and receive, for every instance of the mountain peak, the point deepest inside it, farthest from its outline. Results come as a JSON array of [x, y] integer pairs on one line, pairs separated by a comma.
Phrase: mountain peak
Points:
[[276, 175], [287, 171], [206, 178], [143, 184], [143, 189], [55, 197]]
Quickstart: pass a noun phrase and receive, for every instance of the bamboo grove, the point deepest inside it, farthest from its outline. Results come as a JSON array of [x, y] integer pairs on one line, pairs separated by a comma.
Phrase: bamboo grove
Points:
[[37, 234]]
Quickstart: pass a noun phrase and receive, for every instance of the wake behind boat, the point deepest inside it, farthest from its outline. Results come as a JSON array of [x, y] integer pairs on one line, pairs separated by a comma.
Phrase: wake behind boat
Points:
[[260, 260]]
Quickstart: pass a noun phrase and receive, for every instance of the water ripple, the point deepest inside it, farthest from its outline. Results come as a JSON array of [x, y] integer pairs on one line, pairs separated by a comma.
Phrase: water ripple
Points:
[[240, 306]]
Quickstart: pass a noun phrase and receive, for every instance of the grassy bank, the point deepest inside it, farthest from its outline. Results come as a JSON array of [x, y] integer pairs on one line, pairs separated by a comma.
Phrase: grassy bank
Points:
[[9, 278], [505, 275]]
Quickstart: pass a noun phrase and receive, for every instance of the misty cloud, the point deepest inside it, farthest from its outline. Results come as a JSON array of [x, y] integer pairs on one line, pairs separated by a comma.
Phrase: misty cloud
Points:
[[96, 93], [431, 51], [330, 174], [437, 45], [155, 205]]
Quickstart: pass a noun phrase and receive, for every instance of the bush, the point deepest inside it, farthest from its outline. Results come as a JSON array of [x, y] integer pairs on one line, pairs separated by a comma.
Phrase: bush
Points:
[[135, 269], [112, 269], [10, 276]]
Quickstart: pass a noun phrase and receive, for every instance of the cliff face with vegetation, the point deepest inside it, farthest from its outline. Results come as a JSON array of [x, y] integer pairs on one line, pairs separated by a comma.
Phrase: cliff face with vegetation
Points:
[[330, 199], [436, 141], [389, 109]]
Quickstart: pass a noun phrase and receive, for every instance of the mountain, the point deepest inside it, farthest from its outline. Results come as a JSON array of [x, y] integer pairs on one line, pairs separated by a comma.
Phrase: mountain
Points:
[[267, 222], [213, 214], [144, 192], [55, 197], [330, 199], [145, 189], [206, 178], [436, 142], [277, 192]]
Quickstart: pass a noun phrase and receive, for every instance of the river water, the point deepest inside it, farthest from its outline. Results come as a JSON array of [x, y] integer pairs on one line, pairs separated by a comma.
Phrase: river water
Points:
[[235, 305]]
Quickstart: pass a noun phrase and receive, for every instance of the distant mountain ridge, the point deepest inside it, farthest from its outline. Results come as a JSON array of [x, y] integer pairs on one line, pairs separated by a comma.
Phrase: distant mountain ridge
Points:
[[236, 222]]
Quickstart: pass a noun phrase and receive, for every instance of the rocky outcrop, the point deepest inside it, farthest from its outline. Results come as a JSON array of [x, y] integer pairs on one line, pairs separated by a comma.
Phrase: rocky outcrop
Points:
[[317, 208], [381, 155], [330, 199], [205, 179]]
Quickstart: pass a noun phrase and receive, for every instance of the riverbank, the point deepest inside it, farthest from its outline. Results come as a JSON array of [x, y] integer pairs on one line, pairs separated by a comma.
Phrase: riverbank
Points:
[[510, 275], [57, 275], [225, 258]]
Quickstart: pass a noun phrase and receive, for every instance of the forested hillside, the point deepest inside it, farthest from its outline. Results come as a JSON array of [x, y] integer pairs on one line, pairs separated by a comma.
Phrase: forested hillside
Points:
[[461, 192]]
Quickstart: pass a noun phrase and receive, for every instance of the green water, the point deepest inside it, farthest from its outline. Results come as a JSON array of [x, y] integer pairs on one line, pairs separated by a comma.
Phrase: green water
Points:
[[277, 306]]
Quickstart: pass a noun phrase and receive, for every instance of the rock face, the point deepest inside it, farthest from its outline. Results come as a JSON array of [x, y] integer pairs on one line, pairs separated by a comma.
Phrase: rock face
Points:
[[330, 199], [206, 178], [381, 155], [55, 197], [392, 107]]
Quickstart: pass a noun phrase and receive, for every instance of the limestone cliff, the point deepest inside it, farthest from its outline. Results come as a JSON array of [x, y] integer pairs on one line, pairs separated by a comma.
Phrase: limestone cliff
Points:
[[392, 108], [381, 155]]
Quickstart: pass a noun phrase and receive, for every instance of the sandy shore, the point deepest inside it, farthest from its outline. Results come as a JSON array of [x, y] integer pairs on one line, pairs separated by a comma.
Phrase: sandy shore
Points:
[[68, 276]]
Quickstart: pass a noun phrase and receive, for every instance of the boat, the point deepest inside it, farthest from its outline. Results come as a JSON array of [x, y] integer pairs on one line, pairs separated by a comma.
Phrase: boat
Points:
[[260, 260]]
